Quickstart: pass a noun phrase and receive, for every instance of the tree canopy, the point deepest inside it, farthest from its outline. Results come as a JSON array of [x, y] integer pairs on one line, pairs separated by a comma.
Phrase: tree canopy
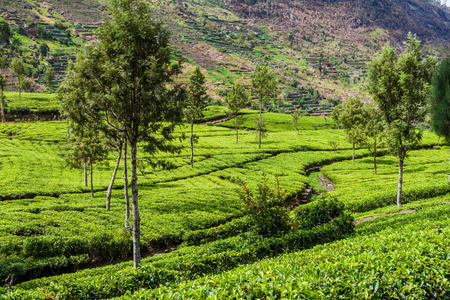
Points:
[[399, 86], [121, 83]]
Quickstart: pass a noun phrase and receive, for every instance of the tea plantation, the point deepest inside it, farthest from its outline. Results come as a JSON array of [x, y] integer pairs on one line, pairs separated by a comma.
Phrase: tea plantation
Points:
[[201, 241]]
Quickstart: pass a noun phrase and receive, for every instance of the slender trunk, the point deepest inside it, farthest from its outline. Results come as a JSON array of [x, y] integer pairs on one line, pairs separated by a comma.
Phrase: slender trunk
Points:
[[85, 173], [353, 152], [109, 191], [297, 130], [135, 208], [3, 105], [400, 183], [125, 184], [260, 123], [236, 125], [92, 183], [68, 135], [9, 281], [20, 88], [192, 144], [375, 158]]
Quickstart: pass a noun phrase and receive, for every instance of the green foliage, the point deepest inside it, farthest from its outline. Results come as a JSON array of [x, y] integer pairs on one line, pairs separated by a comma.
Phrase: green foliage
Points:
[[267, 208], [43, 49], [264, 85], [49, 76], [351, 116], [18, 68], [318, 212], [361, 190], [196, 100], [401, 256], [5, 32], [439, 99], [399, 86], [296, 115]]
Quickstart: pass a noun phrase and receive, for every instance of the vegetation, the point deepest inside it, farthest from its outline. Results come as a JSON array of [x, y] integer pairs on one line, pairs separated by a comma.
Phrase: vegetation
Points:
[[399, 87], [246, 223]]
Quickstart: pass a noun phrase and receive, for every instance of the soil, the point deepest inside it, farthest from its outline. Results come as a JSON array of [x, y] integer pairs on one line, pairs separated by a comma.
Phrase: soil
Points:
[[374, 217]]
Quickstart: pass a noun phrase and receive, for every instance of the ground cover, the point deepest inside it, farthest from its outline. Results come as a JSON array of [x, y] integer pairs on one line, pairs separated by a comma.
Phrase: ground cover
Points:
[[283, 122], [425, 175], [401, 256], [175, 204], [32, 103]]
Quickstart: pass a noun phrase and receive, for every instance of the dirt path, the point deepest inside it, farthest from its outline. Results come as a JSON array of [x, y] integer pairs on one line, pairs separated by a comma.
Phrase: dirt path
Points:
[[374, 217]]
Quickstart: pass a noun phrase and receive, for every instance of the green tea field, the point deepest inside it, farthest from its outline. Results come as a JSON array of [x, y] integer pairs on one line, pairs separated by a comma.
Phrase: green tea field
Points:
[[199, 240]]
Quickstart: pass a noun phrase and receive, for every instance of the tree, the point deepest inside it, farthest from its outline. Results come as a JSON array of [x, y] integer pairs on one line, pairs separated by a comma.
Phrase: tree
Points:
[[121, 84], [43, 49], [263, 86], [2, 86], [439, 99], [195, 104], [399, 85], [5, 32], [296, 115], [350, 114], [18, 68], [372, 135], [49, 76], [235, 102], [88, 148]]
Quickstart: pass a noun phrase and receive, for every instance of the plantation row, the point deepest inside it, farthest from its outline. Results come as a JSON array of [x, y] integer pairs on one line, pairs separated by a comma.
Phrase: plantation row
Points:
[[368, 265], [188, 206]]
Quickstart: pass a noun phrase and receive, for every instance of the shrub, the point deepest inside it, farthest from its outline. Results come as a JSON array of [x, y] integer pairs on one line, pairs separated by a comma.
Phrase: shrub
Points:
[[267, 208], [318, 212]]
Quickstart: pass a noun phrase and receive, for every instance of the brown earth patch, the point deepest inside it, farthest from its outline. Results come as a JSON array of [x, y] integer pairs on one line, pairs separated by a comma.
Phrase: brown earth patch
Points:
[[374, 217]]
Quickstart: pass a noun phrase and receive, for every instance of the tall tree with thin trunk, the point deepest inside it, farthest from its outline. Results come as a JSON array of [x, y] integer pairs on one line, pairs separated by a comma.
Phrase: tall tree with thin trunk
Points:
[[88, 148], [237, 100], [264, 85], [122, 84], [18, 68], [399, 86], [2, 86], [195, 104], [350, 115], [296, 116], [373, 129]]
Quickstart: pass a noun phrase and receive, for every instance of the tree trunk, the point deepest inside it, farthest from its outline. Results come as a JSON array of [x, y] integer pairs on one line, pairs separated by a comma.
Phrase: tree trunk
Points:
[[192, 144], [92, 183], [400, 183], [3, 106], [85, 173], [236, 126], [125, 184], [68, 135], [375, 158], [109, 191], [260, 123], [135, 207], [353, 152]]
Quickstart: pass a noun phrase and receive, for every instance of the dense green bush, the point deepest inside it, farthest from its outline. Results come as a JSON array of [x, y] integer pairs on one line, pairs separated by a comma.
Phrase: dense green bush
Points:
[[318, 212], [267, 208]]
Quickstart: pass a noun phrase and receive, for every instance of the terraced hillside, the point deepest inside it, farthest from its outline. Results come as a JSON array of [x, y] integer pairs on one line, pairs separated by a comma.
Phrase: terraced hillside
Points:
[[323, 45]]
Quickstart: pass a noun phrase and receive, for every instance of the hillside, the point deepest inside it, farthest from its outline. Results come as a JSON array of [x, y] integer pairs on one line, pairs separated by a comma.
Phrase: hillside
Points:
[[312, 45]]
